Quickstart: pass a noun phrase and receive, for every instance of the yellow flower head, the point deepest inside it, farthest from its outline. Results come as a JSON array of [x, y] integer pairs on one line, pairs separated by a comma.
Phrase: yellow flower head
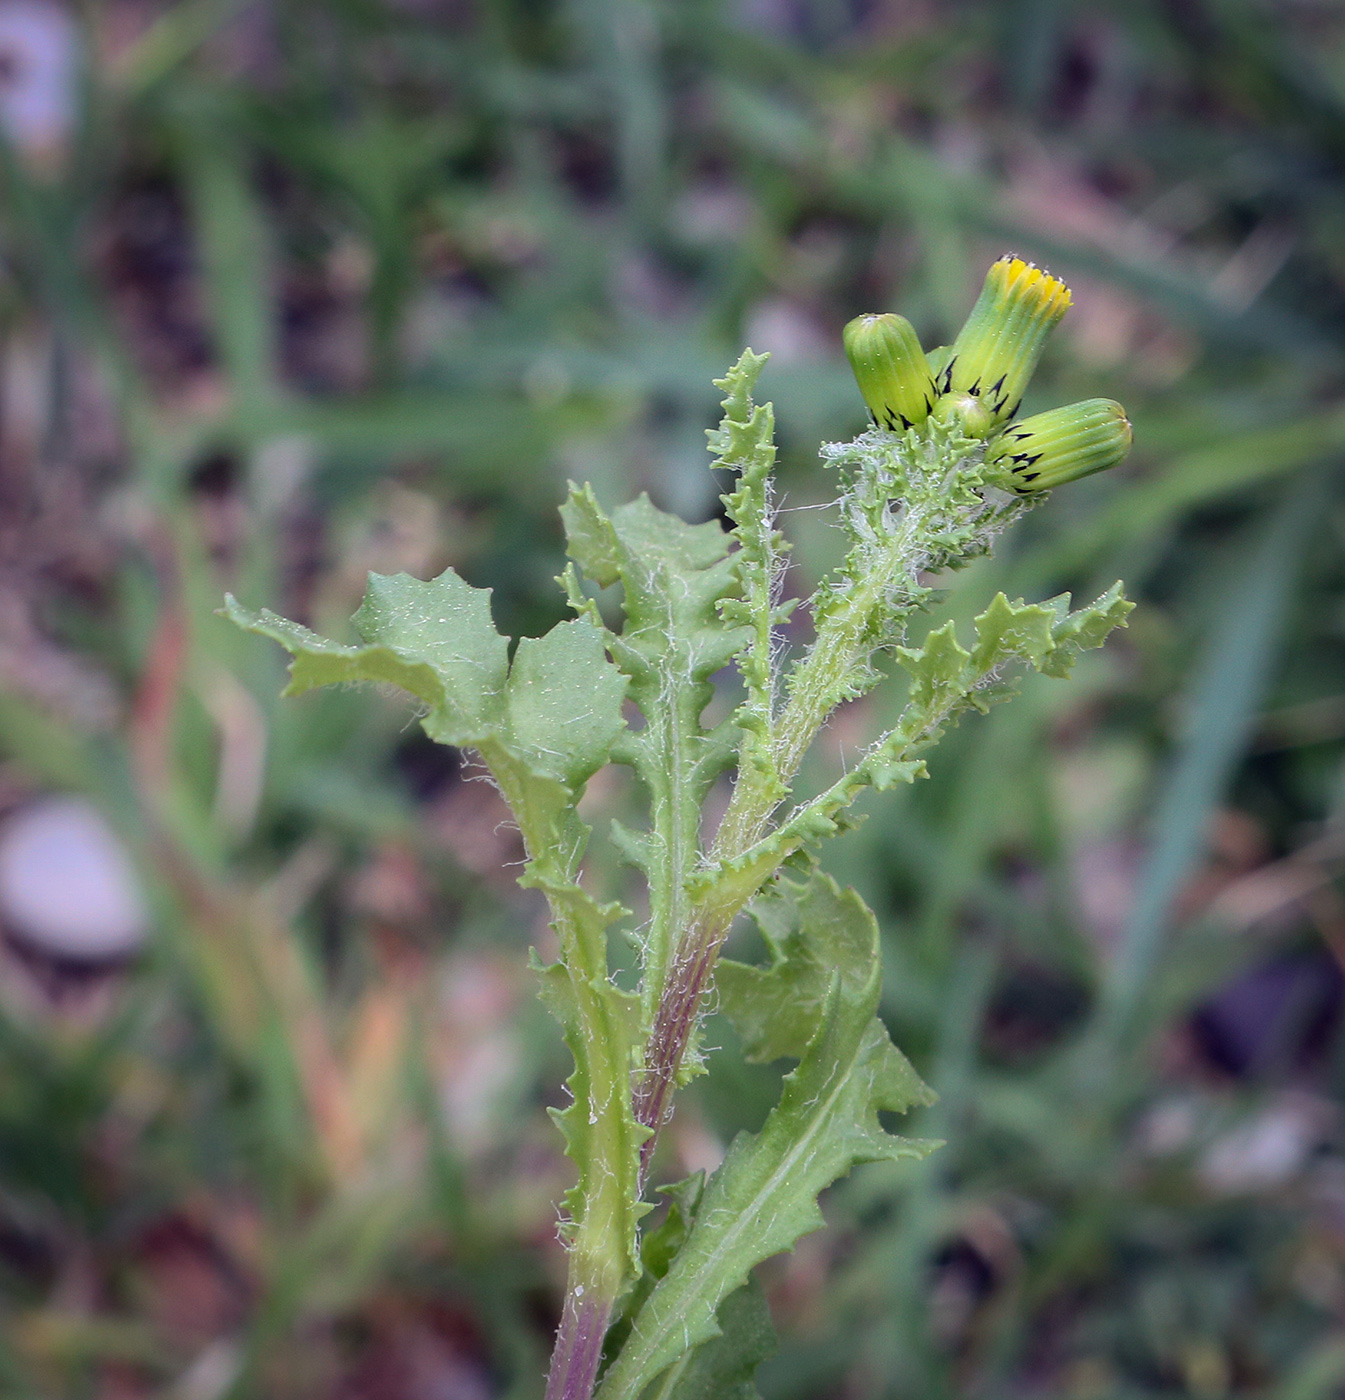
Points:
[[995, 353], [1049, 449], [891, 368]]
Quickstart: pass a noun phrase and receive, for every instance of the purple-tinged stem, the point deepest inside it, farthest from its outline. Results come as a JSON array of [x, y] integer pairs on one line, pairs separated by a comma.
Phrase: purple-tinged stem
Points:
[[574, 1362], [673, 1024]]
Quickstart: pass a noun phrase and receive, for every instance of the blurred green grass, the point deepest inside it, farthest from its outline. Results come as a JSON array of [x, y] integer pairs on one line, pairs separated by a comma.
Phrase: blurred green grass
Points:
[[293, 290]]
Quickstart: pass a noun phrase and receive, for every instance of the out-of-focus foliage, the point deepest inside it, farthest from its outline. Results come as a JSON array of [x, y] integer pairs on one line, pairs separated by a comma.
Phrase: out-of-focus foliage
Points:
[[289, 291]]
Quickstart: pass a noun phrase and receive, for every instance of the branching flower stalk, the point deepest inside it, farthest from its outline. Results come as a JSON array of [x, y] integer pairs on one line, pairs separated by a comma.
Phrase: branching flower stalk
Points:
[[943, 470]]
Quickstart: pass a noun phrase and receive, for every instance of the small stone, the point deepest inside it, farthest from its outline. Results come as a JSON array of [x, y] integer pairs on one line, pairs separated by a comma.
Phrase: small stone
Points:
[[67, 887]]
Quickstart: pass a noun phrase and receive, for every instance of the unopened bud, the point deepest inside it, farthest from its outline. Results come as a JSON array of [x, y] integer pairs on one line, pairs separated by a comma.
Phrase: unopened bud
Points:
[[1052, 448], [997, 350], [890, 366], [969, 413]]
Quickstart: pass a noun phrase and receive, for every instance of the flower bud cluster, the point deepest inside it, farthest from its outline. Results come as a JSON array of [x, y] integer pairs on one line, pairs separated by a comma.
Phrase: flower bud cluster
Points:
[[976, 385]]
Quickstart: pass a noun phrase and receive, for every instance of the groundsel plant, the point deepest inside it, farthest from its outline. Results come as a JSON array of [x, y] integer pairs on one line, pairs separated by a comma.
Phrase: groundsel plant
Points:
[[943, 470]]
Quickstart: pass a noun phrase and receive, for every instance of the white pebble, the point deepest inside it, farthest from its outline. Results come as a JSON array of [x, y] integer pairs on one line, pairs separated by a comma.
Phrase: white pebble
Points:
[[67, 887]]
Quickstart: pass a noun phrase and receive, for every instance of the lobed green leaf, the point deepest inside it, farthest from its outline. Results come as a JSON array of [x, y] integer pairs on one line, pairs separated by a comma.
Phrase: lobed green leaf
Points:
[[674, 579], [432, 638], [814, 934], [544, 725], [744, 443], [1085, 629], [556, 710]]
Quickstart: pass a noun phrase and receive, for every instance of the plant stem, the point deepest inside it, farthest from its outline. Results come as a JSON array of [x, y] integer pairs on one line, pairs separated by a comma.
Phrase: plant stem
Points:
[[673, 1024], [574, 1362]]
